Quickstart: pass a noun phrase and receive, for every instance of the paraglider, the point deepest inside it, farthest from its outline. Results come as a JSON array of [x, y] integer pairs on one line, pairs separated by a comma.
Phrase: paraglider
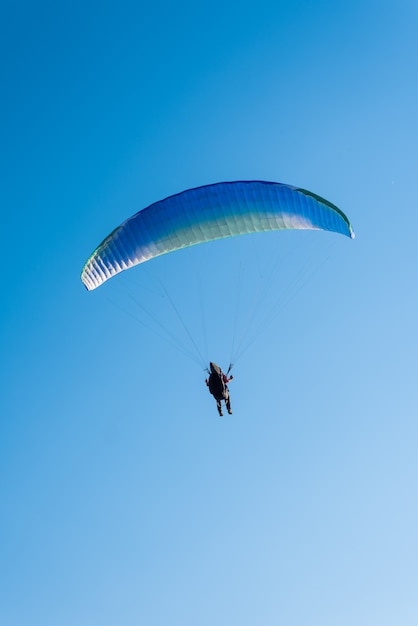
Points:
[[206, 214], [218, 387]]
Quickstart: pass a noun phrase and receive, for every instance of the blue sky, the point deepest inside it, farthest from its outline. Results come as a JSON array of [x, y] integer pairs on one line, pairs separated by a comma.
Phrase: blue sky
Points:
[[124, 498]]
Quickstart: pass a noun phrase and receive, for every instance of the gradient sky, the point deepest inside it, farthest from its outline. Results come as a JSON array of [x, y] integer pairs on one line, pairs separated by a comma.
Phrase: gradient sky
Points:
[[124, 498]]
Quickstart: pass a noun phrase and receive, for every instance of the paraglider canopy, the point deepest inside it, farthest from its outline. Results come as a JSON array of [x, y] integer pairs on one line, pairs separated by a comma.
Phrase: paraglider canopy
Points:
[[205, 214]]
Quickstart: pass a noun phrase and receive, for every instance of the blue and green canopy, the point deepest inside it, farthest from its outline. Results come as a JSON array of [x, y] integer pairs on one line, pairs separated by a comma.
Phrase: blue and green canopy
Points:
[[207, 213]]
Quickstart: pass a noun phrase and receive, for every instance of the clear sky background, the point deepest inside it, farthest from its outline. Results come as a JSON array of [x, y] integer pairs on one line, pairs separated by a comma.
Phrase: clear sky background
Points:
[[125, 499]]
